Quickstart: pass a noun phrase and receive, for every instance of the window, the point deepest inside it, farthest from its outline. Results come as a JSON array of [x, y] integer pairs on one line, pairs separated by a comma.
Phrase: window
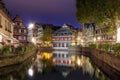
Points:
[[54, 55], [62, 55], [62, 44], [66, 44], [67, 55], [24, 31], [59, 55], [18, 23], [19, 30], [22, 38], [5, 25]]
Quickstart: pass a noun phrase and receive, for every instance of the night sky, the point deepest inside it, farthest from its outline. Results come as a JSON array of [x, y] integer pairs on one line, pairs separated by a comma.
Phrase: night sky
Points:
[[55, 12]]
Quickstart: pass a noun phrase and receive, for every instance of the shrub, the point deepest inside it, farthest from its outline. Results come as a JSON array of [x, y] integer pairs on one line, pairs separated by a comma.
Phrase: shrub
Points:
[[116, 49], [20, 49], [106, 47], [98, 46], [5, 50], [92, 45], [29, 48]]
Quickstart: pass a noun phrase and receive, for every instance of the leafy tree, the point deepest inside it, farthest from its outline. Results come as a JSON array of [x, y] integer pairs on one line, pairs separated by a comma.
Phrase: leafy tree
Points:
[[47, 36], [102, 12]]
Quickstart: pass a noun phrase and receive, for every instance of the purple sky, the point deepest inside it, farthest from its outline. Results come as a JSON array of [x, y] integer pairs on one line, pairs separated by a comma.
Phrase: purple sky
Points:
[[55, 12]]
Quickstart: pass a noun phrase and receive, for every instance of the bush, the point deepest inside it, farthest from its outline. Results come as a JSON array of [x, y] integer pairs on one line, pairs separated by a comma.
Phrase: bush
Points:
[[106, 47], [5, 50], [116, 49], [20, 49], [92, 45], [29, 48]]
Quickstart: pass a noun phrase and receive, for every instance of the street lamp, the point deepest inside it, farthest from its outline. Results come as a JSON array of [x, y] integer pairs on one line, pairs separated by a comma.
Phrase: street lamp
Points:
[[31, 25]]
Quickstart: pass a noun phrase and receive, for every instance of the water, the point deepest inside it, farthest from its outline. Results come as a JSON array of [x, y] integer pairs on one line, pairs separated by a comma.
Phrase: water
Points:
[[44, 67]]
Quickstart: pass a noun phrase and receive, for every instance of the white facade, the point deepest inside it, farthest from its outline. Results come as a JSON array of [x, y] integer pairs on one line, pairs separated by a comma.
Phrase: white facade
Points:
[[30, 35], [62, 58], [62, 39]]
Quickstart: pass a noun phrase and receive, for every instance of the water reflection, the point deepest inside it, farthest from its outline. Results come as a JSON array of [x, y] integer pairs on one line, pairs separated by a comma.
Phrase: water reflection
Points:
[[31, 72], [85, 64], [44, 67], [16, 72]]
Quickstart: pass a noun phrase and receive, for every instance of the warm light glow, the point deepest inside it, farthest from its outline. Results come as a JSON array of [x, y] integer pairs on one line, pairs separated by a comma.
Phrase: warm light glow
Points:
[[99, 38], [94, 39], [73, 57], [78, 38], [118, 35], [54, 60], [33, 40], [81, 41], [79, 62], [30, 72], [47, 55], [73, 43], [70, 62], [31, 25]]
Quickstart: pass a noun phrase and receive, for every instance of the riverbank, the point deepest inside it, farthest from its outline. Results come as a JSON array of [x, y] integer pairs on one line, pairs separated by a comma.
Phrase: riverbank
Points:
[[14, 59], [107, 62]]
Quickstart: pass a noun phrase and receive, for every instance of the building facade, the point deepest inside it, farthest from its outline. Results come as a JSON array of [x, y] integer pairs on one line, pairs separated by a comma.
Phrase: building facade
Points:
[[6, 27], [102, 36], [20, 31], [62, 39], [88, 33], [36, 33]]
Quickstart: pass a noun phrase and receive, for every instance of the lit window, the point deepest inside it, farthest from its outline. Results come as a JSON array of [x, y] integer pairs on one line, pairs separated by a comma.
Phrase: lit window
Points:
[[19, 30]]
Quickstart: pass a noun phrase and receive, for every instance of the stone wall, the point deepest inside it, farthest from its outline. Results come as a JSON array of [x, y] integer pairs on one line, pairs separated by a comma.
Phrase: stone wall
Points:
[[107, 62], [14, 59]]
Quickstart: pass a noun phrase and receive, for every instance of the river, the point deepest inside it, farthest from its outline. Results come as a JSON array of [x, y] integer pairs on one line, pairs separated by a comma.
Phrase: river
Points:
[[43, 67]]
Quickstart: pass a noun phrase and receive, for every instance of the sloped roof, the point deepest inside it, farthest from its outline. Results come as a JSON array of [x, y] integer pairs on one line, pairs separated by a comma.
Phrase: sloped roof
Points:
[[63, 30], [17, 19]]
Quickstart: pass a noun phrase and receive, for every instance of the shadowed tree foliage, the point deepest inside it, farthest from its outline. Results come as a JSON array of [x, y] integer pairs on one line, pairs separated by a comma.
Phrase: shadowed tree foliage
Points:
[[47, 36], [102, 12]]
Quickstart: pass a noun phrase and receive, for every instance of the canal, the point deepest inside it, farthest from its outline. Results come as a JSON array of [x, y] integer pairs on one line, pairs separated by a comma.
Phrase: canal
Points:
[[45, 66]]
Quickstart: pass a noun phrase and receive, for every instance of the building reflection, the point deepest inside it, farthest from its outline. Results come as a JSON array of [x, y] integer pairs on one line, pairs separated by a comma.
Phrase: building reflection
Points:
[[62, 58], [45, 66], [85, 64]]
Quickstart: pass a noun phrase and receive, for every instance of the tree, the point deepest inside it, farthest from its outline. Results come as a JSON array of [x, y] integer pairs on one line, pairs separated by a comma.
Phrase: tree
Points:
[[102, 12], [47, 36]]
